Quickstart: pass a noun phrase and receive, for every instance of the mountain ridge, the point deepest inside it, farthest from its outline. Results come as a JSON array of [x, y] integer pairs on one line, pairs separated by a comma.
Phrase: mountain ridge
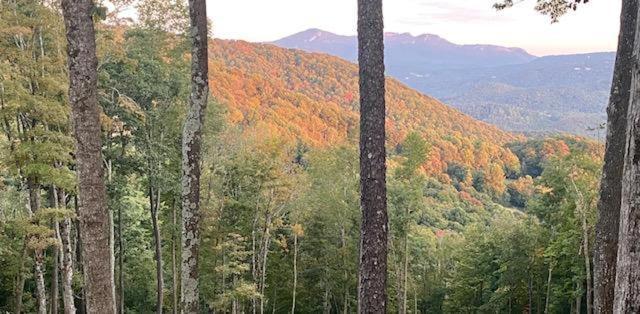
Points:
[[548, 94]]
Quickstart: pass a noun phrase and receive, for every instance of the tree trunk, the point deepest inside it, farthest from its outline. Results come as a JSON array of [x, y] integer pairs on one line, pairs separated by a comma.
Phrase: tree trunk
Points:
[[578, 298], [628, 262], [66, 257], [55, 293], [154, 202], [19, 290], [191, 151], [405, 274], [266, 242], [295, 272], [530, 293], [94, 214], [345, 274], [607, 227], [34, 206], [326, 306], [581, 211], [174, 272], [120, 263], [547, 301], [372, 295], [40, 287], [80, 297]]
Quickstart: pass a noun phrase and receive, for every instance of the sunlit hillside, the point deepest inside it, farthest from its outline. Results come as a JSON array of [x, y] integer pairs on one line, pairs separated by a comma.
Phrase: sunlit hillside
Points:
[[314, 98]]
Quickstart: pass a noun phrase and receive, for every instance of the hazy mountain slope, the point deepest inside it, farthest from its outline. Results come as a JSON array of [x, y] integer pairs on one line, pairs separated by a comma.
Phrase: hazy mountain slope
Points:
[[409, 53], [504, 86], [313, 98]]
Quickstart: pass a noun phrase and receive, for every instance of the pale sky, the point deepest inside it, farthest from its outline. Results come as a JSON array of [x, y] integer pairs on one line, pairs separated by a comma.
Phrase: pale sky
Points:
[[594, 27]]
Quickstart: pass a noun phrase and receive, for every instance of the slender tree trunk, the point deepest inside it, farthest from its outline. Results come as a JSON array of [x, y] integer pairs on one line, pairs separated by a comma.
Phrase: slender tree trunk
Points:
[[53, 202], [67, 267], [264, 255], [19, 289], [578, 298], [191, 151], [94, 214], [40, 286], [530, 293], [607, 227], [34, 205], [548, 299], [174, 272], [295, 271], [326, 306], [120, 263], [372, 294], [66, 264], [627, 290], [581, 211], [405, 274], [154, 202], [345, 274]]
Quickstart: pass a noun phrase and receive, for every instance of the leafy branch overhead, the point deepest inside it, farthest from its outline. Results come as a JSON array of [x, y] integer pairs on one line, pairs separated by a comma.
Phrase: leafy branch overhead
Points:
[[553, 8]]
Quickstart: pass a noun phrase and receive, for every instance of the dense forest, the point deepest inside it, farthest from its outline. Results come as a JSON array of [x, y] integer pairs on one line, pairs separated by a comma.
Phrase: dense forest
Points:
[[479, 220]]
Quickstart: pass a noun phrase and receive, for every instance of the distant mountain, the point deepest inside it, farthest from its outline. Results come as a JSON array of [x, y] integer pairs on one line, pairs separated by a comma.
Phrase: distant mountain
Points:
[[407, 52], [504, 86]]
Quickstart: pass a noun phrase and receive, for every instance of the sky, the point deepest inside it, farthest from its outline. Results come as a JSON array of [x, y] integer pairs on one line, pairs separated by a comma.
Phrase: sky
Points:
[[593, 27]]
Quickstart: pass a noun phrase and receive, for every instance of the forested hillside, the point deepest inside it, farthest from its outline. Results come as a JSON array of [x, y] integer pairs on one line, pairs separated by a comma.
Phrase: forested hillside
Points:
[[500, 85], [312, 98], [480, 220]]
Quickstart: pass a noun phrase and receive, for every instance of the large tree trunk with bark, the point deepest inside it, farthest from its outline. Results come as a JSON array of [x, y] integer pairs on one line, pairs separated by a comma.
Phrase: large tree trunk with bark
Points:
[[606, 238], [191, 151], [627, 284], [85, 116], [372, 295]]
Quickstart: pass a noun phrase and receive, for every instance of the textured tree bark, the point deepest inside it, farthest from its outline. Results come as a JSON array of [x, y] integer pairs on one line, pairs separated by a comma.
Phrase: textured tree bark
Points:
[[191, 151], [627, 284], [372, 295], [85, 116], [606, 231]]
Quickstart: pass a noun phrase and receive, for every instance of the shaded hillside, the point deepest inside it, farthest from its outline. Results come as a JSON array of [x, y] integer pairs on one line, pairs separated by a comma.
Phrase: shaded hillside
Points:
[[503, 86], [314, 98]]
